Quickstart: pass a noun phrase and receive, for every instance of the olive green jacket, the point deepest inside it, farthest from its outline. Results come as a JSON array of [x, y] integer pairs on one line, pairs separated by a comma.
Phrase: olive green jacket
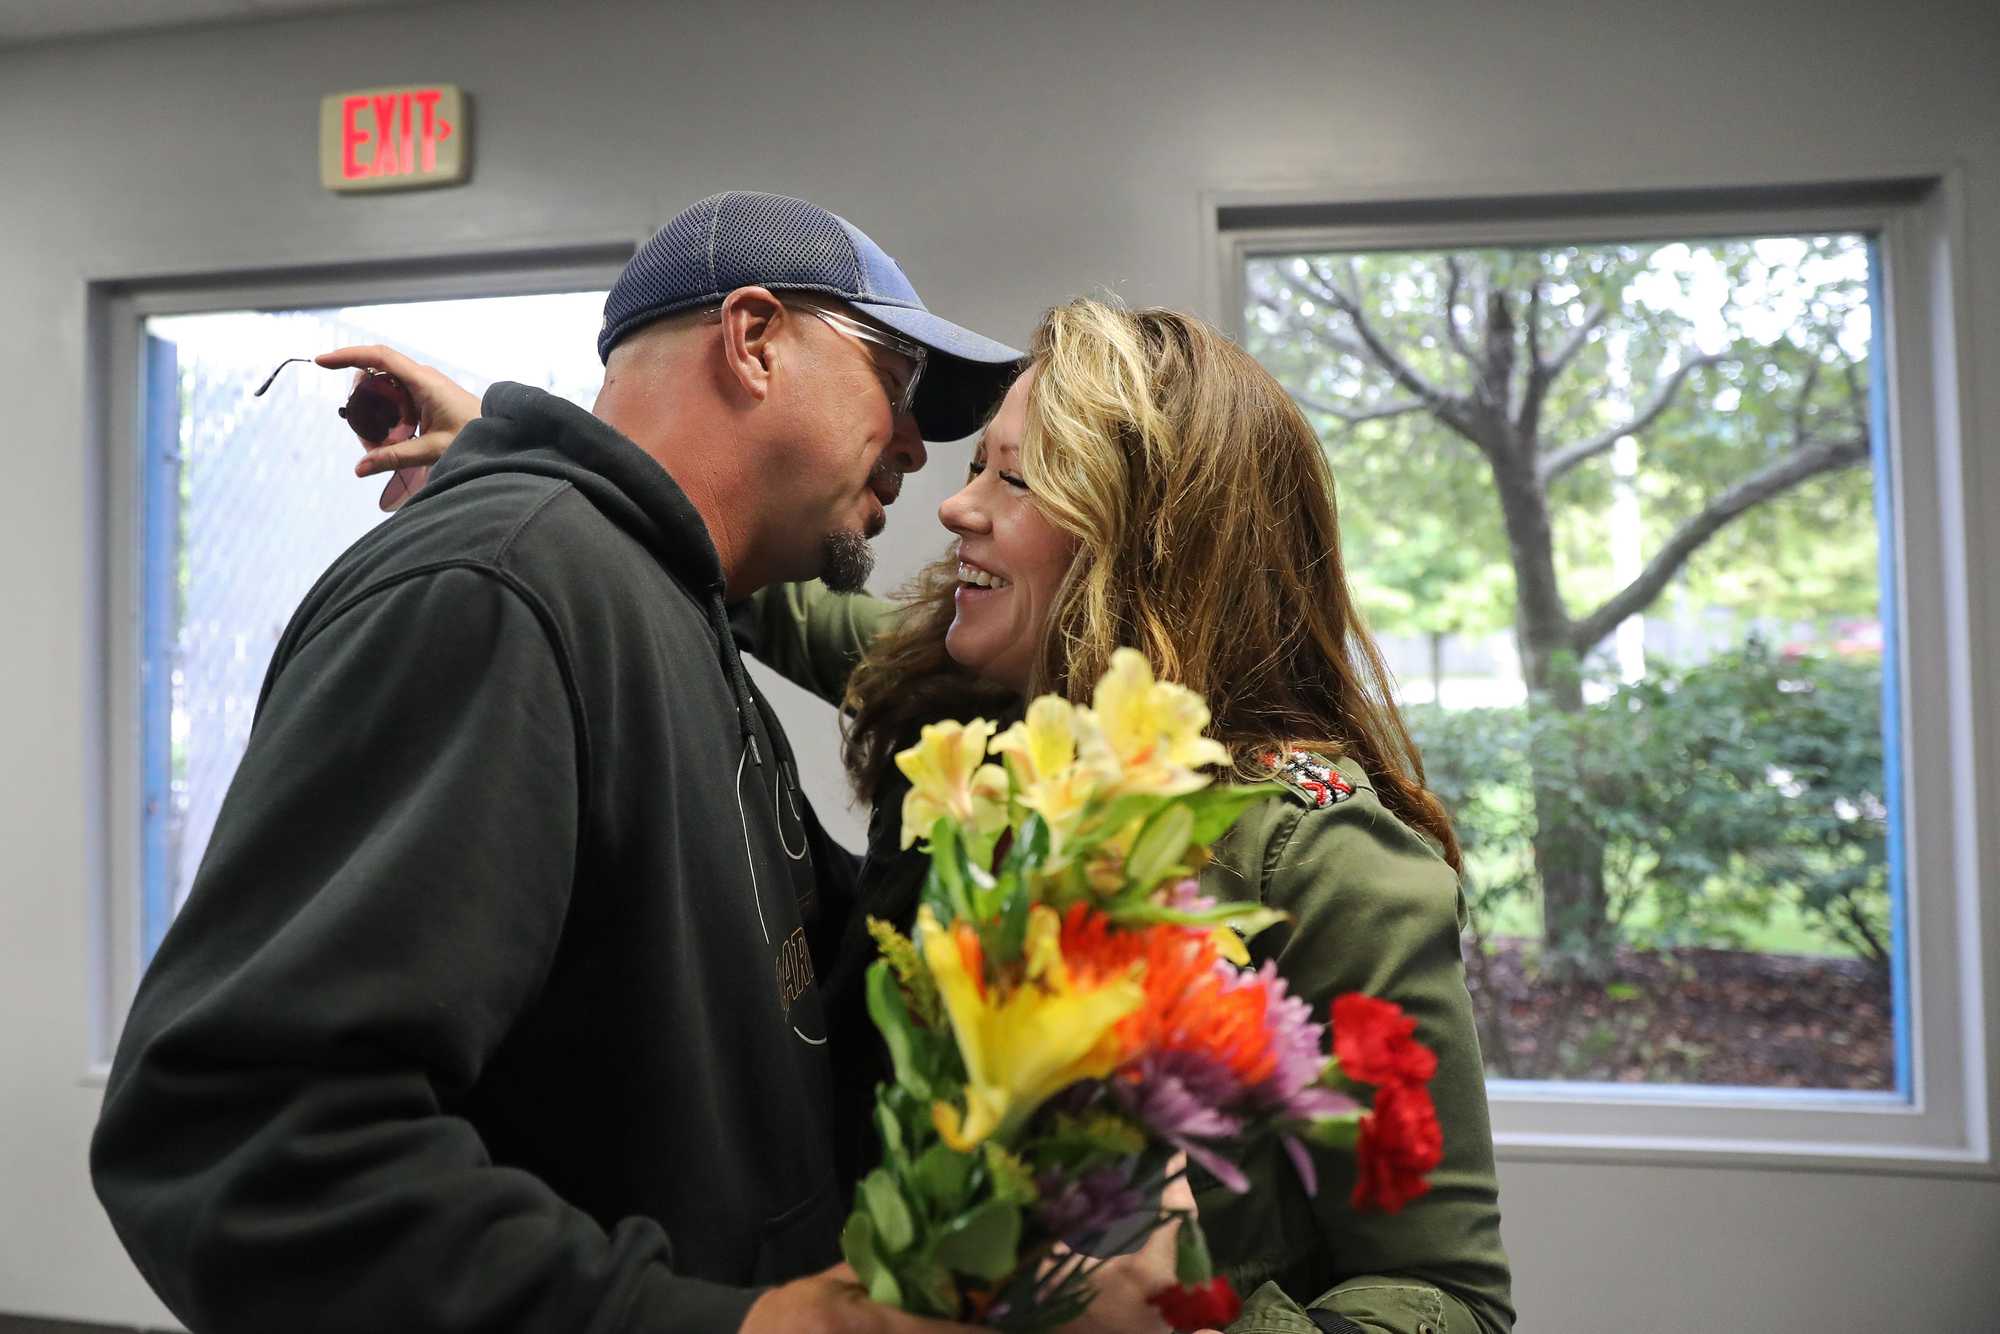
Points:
[[1373, 908]]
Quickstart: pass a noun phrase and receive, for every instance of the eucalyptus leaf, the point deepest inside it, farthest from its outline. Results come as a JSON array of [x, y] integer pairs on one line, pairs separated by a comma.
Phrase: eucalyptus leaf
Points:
[[894, 1229], [889, 1126], [984, 1243], [857, 1246], [931, 1288], [942, 1174]]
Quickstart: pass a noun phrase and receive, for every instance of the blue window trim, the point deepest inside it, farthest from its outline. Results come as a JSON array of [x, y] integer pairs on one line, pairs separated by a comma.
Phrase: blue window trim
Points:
[[1892, 693], [159, 484]]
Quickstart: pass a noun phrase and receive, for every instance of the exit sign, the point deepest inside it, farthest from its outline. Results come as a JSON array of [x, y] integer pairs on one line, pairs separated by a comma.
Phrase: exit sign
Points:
[[393, 138]]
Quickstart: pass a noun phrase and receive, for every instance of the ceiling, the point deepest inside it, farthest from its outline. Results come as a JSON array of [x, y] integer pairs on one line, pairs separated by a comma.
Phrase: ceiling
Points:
[[24, 21]]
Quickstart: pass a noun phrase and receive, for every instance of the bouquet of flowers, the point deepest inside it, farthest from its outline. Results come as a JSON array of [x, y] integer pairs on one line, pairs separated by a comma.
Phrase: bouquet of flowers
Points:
[[1071, 1019]]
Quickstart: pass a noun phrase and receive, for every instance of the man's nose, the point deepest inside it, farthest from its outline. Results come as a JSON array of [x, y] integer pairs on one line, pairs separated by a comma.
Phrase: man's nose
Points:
[[906, 446]]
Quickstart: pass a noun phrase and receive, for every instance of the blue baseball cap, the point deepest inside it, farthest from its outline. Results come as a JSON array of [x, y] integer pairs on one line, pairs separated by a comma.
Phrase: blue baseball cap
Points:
[[741, 239]]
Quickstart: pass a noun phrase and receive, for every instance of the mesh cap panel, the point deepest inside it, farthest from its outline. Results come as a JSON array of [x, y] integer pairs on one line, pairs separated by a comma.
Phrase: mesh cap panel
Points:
[[725, 242]]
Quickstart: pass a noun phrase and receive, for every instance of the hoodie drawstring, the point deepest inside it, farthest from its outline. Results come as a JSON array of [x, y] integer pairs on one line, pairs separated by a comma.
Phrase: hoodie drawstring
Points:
[[746, 708]]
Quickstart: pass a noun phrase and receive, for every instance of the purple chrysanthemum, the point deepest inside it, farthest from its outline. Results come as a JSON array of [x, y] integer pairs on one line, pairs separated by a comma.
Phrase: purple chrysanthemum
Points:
[[1183, 1098], [1081, 1209], [1292, 1090]]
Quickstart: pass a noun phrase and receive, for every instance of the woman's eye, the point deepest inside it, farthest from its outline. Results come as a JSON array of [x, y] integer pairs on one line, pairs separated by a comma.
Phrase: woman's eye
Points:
[[1014, 479]]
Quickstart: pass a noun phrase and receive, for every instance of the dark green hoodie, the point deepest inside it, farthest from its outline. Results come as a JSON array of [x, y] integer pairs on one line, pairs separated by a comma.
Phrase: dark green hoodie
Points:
[[492, 1006]]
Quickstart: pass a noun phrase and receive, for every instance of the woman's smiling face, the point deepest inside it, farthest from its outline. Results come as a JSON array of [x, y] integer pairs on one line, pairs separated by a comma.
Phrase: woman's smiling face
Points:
[[1011, 559]]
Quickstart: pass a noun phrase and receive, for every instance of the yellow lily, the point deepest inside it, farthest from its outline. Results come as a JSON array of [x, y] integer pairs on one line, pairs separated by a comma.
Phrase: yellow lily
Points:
[[1025, 1045], [947, 779], [1152, 729], [1049, 776]]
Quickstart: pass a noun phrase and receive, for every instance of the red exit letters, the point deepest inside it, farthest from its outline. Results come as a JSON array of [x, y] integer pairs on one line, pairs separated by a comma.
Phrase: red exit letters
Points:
[[402, 146], [390, 138]]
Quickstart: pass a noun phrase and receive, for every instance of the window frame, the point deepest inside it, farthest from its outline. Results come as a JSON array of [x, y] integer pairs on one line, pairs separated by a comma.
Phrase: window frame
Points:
[[1948, 768], [117, 308]]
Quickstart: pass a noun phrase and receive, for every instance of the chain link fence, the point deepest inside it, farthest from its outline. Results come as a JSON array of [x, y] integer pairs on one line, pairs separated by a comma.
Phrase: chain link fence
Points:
[[268, 499]]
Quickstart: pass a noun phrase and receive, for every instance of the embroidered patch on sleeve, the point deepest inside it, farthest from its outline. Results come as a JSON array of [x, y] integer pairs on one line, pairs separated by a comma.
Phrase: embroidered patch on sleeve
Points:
[[1311, 775]]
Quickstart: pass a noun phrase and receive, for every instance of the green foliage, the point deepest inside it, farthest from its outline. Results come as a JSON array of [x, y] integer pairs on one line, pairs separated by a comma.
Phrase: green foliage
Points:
[[1012, 1179], [1722, 792], [1192, 1261], [918, 987], [924, 1056], [984, 1242]]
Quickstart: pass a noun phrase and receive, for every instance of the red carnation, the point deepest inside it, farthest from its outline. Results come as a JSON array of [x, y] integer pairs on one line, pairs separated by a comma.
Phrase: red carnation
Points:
[[1375, 1043], [1400, 1145], [1209, 1305]]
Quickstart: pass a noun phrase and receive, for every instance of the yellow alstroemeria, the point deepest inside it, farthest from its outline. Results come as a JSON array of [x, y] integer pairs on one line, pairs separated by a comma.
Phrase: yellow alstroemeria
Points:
[[1230, 946], [1152, 728], [1050, 777], [947, 778], [1024, 1045]]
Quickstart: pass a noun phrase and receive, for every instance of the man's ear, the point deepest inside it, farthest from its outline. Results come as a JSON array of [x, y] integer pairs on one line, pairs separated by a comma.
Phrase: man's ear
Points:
[[751, 321]]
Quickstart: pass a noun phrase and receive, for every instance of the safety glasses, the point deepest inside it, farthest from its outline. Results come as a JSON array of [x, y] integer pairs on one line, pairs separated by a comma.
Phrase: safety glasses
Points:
[[918, 356], [903, 391]]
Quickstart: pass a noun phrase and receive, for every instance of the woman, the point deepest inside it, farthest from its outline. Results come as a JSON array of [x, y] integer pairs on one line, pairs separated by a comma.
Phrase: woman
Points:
[[1145, 482]]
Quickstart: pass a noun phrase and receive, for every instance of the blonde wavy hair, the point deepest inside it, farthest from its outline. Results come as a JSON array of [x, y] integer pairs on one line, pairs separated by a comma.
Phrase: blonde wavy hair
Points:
[[1206, 535]]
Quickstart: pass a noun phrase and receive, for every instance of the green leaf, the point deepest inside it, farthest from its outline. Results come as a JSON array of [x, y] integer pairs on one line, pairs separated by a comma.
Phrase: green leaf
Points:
[[971, 854], [857, 1245], [942, 1174], [919, 989], [1006, 937], [1335, 1132], [1192, 1263], [983, 1243], [932, 1288], [1013, 1180], [1215, 809], [892, 1017], [1246, 918], [945, 885], [1159, 847], [894, 1229], [1031, 844], [888, 1125]]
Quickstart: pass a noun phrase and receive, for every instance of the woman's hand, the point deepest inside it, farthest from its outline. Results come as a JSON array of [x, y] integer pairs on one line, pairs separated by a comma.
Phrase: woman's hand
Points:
[[1125, 1282], [443, 408]]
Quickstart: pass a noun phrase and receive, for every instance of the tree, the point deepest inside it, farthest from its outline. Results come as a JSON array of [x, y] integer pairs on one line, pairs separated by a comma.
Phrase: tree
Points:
[[1534, 365]]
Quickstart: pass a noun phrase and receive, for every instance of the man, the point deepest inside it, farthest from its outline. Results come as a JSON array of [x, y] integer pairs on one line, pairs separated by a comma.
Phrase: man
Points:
[[491, 1006]]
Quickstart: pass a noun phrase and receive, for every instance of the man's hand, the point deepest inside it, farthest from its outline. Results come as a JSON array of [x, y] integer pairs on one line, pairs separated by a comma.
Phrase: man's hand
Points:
[[443, 408], [833, 1302]]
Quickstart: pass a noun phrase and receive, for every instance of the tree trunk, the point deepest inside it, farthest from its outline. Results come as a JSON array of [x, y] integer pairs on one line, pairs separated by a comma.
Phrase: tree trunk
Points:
[[1569, 850], [1437, 667]]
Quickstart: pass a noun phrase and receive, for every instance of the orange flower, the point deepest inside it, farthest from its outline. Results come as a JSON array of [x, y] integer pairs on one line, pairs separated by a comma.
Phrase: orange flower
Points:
[[1188, 1007]]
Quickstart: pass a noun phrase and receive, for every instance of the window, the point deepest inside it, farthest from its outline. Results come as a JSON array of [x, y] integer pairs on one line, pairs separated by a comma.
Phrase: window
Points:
[[223, 508], [1620, 495], [249, 498]]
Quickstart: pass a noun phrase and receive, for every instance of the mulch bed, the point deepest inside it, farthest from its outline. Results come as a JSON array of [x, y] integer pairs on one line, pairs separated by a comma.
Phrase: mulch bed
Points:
[[1689, 1016]]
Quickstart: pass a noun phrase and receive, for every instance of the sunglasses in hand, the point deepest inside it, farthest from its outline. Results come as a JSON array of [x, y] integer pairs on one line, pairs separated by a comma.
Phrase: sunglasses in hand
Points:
[[381, 411]]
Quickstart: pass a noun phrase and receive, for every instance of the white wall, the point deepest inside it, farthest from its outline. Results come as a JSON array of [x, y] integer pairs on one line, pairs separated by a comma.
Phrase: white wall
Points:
[[1009, 155]]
